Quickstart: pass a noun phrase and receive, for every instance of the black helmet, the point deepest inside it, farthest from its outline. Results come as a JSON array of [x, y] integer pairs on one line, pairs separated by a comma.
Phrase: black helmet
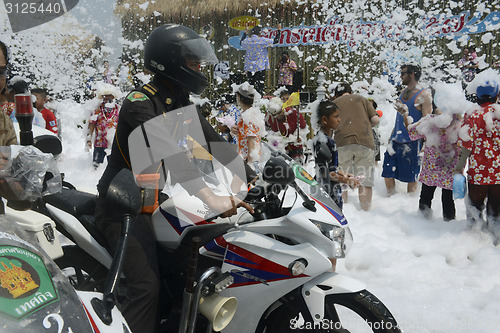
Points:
[[167, 49]]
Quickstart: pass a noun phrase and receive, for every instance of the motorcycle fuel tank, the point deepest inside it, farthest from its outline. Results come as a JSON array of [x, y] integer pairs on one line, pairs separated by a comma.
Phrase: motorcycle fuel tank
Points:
[[175, 215]]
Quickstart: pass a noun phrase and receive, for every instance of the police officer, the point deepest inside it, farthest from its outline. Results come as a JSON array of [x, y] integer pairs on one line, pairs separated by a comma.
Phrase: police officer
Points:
[[174, 54]]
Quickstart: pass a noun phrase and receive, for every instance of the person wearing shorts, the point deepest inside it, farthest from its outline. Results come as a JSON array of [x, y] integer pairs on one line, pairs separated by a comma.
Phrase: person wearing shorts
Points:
[[356, 147], [358, 160], [401, 161]]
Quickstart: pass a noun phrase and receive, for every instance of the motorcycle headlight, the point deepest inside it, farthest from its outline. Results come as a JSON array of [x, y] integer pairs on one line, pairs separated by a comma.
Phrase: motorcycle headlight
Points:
[[341, 237]]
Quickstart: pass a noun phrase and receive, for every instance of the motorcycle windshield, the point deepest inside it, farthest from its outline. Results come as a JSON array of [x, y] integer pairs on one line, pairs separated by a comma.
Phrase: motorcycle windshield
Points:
[[305, 181], [186, 153], [34, 294], [182, 149]]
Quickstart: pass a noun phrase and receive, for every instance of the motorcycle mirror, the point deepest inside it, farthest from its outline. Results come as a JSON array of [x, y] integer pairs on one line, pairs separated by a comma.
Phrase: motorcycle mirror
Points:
[[48, 144], [323, 154], [123, 196], [277, 171]]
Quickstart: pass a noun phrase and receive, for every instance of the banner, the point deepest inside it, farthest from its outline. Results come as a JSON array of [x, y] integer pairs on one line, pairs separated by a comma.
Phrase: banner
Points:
[[352, 34]]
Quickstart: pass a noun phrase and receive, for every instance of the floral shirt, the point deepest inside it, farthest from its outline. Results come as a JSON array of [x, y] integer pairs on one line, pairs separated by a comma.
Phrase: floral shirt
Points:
[[246, 130], [256, 58], [251, 124], [483, 141], [286, 71], [441, 150], [7, 134], [9, 108], [235, 113], [104, 119]]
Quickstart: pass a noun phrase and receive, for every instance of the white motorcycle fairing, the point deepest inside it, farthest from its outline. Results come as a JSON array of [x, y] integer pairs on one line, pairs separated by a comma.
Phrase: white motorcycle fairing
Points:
[[118, 325], [260, 264], [260, 267], [81, 235]]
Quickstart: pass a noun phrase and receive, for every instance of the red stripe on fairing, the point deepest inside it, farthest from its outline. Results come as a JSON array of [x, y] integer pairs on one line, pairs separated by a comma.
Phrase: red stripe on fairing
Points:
[[256, 262], [92, 322], [221, 241]]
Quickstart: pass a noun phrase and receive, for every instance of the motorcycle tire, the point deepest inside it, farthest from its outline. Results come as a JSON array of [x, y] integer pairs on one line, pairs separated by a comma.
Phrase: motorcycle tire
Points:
[[344, 313], [84, 272]]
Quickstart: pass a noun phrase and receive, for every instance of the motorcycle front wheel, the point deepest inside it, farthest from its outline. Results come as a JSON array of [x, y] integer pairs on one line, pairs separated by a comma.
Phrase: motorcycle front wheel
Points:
[[344, 313]]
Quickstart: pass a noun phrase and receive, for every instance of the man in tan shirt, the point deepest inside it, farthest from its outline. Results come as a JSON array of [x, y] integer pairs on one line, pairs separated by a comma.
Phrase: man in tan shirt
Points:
[[7, 132], [354, 140]]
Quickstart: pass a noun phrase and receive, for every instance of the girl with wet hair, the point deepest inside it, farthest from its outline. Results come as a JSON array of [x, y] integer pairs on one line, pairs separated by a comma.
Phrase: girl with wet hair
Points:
[[326, 155]]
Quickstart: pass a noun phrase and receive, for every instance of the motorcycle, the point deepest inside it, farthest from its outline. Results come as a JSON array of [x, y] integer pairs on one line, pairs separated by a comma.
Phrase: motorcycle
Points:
[[281, 257], [35, 295], [26, 174]]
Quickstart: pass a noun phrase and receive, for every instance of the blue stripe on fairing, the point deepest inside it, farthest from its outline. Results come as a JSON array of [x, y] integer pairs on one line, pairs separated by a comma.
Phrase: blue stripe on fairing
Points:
[[212, 246], [341, 218], [174, 221]]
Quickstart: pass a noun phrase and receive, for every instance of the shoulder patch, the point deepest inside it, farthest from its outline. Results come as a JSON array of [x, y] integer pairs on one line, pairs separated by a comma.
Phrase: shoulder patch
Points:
[[135, 96]]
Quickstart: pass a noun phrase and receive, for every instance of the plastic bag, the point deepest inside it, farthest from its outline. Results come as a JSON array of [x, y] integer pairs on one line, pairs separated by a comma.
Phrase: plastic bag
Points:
[[27, 174], [459, 186]]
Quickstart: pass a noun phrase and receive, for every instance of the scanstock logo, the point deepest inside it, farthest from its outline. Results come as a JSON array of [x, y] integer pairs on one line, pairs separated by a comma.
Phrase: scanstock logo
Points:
[[26, 14]]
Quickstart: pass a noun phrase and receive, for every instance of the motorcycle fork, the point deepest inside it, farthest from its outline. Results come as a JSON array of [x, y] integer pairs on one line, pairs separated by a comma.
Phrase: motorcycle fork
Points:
[[292, 300], [295, 300]]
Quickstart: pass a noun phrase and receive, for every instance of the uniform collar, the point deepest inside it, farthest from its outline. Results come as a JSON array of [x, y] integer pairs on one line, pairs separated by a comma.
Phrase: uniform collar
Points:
[[170, 93]]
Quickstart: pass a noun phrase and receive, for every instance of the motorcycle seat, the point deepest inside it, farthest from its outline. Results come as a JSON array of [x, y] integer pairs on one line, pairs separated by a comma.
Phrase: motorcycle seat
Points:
[[82, 206], [74, 202], [88, 222]]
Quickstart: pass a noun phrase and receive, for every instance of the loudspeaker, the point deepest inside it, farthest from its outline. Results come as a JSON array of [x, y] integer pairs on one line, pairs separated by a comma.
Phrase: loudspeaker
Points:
[[219, 310]]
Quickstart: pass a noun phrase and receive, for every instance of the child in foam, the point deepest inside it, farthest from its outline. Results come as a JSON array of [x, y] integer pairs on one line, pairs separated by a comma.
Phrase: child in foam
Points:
[[103, 123], [49, 117], [327, 173]]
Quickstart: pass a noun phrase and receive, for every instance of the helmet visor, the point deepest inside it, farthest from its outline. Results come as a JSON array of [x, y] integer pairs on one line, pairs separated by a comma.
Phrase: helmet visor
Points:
[[198, 50]]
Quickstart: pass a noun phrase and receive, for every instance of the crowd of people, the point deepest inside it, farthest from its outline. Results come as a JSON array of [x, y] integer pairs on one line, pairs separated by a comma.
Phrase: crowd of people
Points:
[[426, 145], [102, 121], [423, 146]]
